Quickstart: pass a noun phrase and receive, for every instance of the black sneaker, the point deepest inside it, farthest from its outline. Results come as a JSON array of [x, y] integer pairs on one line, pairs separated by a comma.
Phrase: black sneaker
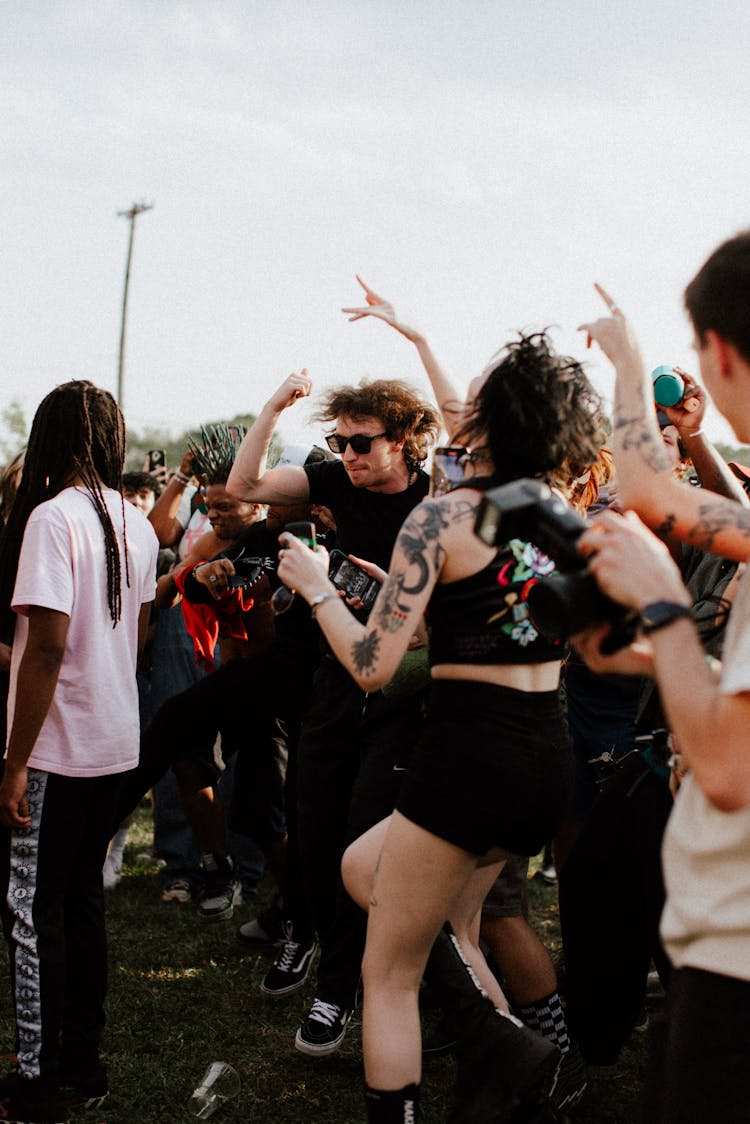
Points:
[[20, 1104], [291, 967], [323, 1030], [570, 1081], [221, 892], [266, 928], [87, 1090]]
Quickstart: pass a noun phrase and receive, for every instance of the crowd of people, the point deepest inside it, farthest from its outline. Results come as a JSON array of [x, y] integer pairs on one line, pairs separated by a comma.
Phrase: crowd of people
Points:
[[422, 720]]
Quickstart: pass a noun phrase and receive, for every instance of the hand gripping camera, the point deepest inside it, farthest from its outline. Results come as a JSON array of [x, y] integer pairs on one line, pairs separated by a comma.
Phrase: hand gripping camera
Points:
[[569, 600]]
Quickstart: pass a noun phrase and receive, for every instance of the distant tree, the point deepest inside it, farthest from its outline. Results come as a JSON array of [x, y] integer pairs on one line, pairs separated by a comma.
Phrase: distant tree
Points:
[[738, 453], [14, 432], [139, 442]]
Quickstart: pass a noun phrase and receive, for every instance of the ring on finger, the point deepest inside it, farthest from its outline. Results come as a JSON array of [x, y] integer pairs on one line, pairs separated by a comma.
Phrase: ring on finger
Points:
[[212, 578]]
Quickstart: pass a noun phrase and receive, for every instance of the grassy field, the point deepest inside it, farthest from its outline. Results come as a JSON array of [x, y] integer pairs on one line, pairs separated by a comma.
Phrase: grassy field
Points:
[[184, 994]]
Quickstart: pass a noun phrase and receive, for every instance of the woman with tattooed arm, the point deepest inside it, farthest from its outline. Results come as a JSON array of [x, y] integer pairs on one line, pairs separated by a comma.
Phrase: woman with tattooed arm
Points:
[[490, 776]]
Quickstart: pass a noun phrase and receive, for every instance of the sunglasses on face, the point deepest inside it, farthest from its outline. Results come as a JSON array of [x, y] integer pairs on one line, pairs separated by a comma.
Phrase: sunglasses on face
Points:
[[360, 442]]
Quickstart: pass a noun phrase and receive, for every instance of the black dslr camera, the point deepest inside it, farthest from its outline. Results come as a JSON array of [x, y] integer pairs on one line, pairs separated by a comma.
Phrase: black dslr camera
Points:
[[248, 569], [565, 602]]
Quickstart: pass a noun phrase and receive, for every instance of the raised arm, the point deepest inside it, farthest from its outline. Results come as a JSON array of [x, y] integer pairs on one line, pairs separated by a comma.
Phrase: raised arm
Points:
[[163, 515], [371, 652], [449, 400], [249, 480], [711, 468], [634, 568], [644, 473]]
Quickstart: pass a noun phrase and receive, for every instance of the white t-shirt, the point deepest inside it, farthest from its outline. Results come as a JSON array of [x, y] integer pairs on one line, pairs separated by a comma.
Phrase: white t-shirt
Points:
[[706, 853], [92, 727]]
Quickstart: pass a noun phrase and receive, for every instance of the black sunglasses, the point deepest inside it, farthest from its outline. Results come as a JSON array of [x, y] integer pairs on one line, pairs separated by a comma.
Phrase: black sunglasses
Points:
[[360, 442]]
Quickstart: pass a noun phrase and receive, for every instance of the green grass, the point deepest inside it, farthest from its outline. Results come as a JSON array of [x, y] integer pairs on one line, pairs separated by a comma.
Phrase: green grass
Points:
[[182, 994]]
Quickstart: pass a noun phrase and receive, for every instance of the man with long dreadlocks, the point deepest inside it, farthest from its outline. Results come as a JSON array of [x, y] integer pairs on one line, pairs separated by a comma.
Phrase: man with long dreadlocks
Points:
[[77, 568]]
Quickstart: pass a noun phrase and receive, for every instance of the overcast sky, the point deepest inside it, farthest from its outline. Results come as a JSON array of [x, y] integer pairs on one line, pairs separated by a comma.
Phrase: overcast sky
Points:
[[480, 163]]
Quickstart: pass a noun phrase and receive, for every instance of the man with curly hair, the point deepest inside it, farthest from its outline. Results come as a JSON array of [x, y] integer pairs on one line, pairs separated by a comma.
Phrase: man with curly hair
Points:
[[354, 743]]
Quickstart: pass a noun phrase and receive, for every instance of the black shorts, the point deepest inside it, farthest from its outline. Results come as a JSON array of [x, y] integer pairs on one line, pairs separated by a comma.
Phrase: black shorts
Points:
[[493, 768]]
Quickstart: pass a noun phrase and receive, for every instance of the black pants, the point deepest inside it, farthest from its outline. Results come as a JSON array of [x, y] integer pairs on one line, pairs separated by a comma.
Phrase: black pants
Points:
[[257, 705], [611, 898], [53, 919], [352, 750], [700, 1072]]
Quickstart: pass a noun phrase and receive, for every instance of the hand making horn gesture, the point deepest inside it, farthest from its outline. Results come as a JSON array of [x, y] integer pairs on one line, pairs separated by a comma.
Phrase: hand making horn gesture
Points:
[[383, 310]]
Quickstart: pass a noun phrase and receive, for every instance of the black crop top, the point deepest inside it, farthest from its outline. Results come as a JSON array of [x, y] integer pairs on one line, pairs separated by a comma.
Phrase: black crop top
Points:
[[484, 618]]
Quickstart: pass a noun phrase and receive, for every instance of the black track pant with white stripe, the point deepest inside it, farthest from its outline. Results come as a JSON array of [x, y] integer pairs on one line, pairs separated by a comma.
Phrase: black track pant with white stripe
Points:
[[53, 919]]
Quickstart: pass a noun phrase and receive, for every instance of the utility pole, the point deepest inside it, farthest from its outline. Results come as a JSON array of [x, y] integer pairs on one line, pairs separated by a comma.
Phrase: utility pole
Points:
[[131, 215]]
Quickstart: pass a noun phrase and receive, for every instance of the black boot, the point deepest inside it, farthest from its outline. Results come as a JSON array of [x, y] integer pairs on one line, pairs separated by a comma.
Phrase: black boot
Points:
[[399, 1106], [501, 1064]]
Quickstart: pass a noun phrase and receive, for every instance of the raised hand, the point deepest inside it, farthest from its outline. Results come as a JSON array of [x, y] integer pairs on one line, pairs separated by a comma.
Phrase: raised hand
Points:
[[292, 388], [612, 333], [687, 415], [383, 310]]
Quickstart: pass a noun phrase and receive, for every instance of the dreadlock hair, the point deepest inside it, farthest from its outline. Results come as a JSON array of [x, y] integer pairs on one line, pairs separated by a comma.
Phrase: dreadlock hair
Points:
[[537, 413], [78, 431], [405, 416], [214, 456]]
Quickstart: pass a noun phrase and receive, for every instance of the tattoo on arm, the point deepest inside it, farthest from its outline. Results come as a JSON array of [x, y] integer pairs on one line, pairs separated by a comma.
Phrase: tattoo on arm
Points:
[[666, 527], [420, 542], [717, 517], [637, 436], [365, 652]]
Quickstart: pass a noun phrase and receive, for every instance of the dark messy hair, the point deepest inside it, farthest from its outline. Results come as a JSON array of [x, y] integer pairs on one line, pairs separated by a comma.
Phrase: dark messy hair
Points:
[[404, 415], [214, 456], [537, 413], [718, 297], [135, 481], [78, 430]]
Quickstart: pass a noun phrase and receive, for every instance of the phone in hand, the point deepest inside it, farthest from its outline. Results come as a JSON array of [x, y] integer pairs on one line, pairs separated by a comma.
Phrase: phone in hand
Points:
[[354, 581], [157, 458]]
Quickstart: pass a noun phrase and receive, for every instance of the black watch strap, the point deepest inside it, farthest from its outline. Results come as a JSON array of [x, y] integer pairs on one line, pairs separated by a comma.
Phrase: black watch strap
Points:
[[661, 613]]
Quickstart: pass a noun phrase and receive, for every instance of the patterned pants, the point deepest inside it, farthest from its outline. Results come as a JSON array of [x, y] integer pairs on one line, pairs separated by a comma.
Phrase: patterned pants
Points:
[[53, 919]]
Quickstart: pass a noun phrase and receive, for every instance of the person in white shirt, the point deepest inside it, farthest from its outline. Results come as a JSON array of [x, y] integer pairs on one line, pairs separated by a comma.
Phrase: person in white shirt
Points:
[[78, 569]]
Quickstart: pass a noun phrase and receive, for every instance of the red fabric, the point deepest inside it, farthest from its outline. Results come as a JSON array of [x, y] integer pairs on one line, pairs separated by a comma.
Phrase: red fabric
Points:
[[206, 623]]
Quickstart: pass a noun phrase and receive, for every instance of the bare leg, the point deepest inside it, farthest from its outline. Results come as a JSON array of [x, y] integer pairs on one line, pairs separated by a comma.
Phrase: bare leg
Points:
[[419, 880], [202, 807], [360, 863], [521, 957], [465, 919]]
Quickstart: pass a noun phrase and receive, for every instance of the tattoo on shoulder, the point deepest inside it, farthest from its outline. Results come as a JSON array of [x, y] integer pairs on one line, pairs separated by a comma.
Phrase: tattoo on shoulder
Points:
[[637, 436], [365, 652], [713, 518]]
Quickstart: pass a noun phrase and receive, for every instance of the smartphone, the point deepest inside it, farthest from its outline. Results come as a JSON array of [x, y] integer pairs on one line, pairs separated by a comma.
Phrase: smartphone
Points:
[[354, 581], [157, 458], [283, 598], [447, 469]]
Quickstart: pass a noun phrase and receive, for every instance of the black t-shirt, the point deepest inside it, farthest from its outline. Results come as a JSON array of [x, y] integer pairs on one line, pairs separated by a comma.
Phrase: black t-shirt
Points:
[[294, 627], [367, 523]]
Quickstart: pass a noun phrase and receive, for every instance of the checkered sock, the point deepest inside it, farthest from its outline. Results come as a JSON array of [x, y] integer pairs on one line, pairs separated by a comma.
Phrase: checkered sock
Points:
[[546, 1017]]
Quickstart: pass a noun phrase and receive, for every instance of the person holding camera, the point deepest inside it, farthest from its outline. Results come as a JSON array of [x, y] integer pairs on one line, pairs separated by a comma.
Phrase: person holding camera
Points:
[[706, 922], [490, 776]]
